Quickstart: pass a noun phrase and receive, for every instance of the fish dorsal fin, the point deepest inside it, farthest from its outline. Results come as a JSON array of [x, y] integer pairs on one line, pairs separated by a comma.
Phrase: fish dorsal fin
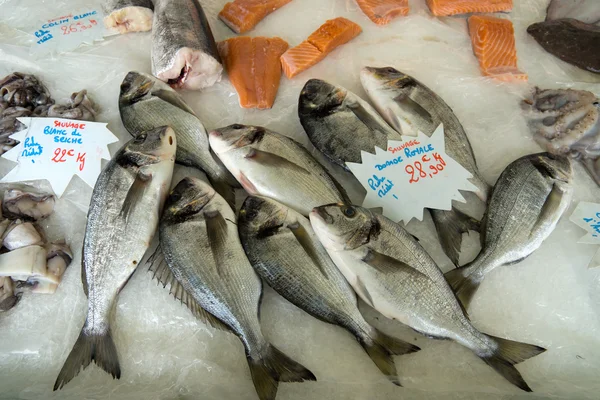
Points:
[[174, 99], [162, 273], [386, 265], [135, 193], [216, 229], [372, 122], [549, 210], [273, 160], [308, 245]]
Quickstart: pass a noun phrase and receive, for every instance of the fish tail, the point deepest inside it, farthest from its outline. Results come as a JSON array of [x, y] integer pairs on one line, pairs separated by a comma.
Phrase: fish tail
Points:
[[450, 226], [381, 348], [225, 190], [99, 348], [274, 367], [507, 354], [464, 285]]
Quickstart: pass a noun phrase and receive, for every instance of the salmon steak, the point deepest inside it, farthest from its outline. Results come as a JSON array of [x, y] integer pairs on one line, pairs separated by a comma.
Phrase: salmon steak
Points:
[[254, 69], [332, 34], [383, 11], [243, 15], [442, 8], [493, 42]]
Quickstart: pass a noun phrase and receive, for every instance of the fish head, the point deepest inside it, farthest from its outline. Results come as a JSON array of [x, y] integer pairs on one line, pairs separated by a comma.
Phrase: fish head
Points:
[[235, 136], [187, 199], [149, 147], [554, 166], [262, 215], [378, 78], [135, 86], [344, 226], [319, 97]]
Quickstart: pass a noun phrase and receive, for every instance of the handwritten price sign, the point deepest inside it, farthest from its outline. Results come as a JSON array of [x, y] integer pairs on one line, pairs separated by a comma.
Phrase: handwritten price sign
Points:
[[587, 216], [411, 175], [56, 149]]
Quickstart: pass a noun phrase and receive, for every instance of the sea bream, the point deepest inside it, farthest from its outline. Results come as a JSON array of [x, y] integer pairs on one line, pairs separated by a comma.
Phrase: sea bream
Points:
[[124, 212], [128, 15], [526, 203], [269, 164], [184, 52], [284, 250], [146, 103], [587, 11], [390, 271], [209, 272]]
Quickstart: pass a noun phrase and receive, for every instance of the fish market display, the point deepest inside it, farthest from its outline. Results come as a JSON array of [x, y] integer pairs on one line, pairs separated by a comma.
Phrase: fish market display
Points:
[[332, 34], [124, 211], [243, 57], [81, 107], [570, 40], [26, 205], [271, 165], [382, 12], [586, 11], [209, 271], [340, 124], [243, 15], [285, 252], [525, 205], [128, 15], [184, 52], [146, 103], [409, 106], [391, 272], [493, 42], [567, 122], [442, 8]]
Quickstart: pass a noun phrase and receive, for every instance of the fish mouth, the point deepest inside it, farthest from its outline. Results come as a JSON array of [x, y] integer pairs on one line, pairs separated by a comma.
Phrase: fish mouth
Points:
[[321, 214], [178, 82], [134, 87]]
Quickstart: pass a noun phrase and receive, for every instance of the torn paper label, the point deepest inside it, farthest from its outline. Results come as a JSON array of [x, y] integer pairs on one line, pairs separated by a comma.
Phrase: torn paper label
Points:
[[411, 175], [56, 149], [587, 216]]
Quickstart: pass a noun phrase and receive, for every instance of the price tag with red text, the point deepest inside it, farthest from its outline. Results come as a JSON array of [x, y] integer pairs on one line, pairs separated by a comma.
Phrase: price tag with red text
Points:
[[411, 175], [56, 149]]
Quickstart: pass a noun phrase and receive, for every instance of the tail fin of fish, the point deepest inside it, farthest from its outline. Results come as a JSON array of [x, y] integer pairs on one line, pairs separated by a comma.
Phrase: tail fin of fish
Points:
[[507, 355], [464, 286], [381, 348], [226, 191], [450, 226], [99, 348], [274, 367]]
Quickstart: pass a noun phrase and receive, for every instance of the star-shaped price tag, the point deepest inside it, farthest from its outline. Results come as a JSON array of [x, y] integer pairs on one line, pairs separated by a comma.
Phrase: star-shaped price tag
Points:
[[411, 175], [56, 149], [587, 216]]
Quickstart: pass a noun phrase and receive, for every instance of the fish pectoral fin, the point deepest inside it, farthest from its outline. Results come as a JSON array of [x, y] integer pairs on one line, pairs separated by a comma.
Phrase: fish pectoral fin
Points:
[[406, 103], [363, 292], [450, 226], [273, 160], [135, 193], [549, 210], [216, 229], [366, 117], [173, 98], [308, 245], [388, 265]]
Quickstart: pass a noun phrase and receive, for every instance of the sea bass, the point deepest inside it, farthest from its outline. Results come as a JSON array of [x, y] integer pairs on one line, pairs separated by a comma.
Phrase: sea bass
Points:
[[388, 269], [146, 103], [284, 250], [128, 15], [529, 198], [272, 165], [212, 275], [184, 52], [124, 212], [340, 124], [586, 11]]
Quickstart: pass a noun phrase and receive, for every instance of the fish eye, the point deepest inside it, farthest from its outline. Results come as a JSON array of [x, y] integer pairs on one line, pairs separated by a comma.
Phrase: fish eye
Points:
[[390, 70], [141, 138], [349, 212], [236, 126]]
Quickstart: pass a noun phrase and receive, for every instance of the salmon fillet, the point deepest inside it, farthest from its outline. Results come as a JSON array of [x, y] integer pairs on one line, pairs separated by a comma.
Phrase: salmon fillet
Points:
[[442, 8], [493, 42], [243, 15], [333, 33], [254, 69], [383, 11]]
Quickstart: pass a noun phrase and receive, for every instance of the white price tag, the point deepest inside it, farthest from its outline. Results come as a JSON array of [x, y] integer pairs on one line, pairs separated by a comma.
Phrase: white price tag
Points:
[[411, 175], [587, 216], [56, 149]]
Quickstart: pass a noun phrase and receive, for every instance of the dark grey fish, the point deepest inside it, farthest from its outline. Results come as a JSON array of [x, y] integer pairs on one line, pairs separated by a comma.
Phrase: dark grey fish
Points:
[[587, 11], [570, 40], [526, 203], [206, 264], [128, 15], [184, 52]]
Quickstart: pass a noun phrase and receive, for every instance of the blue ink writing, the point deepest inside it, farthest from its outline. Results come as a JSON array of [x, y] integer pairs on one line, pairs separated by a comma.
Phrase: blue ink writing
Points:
[[594, 224], [419, 150], [70, 140], [53, 131], [75, 133], [375, 181], [31, 148], [386, 188], [394, 161]]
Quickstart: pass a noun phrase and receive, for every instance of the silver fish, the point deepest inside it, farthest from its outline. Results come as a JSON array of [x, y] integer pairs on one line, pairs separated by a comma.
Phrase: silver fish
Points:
[[123, 216], [275, 166], [212, 275], [340, 124], [184, 52], [527, 202], [147, 103], [128, 15], [285, 252], [389, 270], [586, 11]]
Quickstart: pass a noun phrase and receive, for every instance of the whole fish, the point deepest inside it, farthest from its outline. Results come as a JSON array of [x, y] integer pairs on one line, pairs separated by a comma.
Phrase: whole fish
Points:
[[184, 52], [128, 15], [388, 269], [284, 250], [570, 40], [586, 11], [529, 198], [202, 249], [409, 106], [340, 124], [146, 103], [272, 165], [124, 212]]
